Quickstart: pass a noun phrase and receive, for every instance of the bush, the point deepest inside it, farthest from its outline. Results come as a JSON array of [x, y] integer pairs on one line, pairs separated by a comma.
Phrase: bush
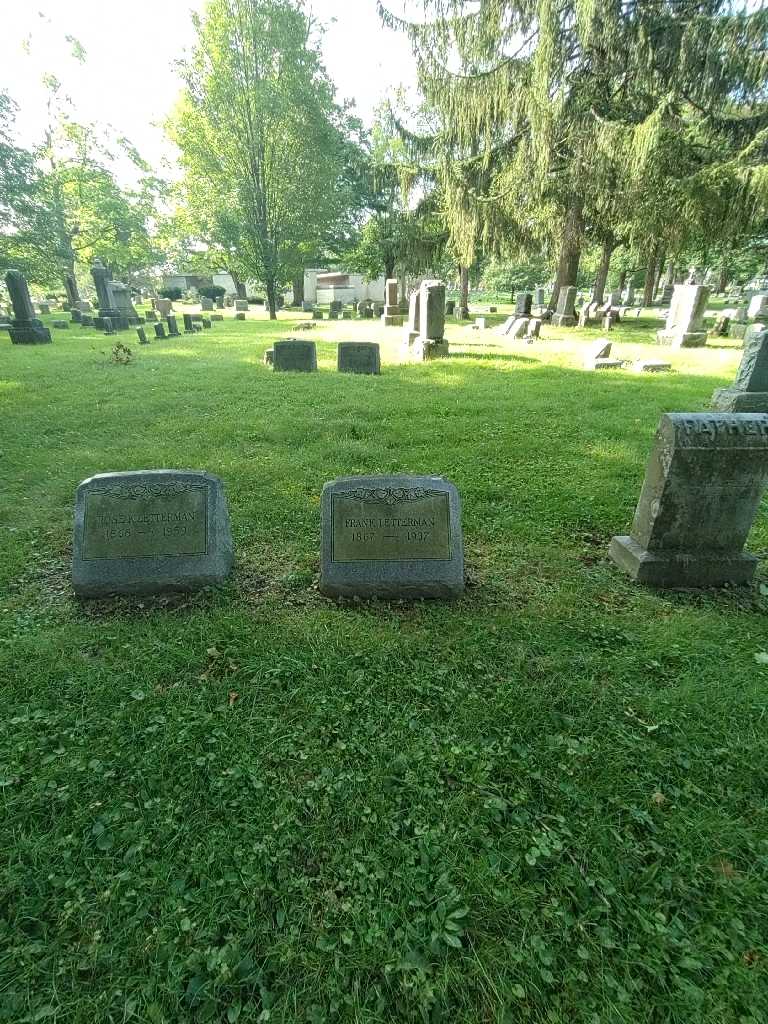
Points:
[[255, 300], [174, 294], [212, 291]]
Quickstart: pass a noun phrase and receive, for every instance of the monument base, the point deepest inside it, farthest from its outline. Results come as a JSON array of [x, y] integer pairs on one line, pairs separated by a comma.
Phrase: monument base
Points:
[[29, 332], [737, 329], [730, 400], [695, 339], [670, 570], [651, 366], [563, 320], [604, 364], [392, 321]]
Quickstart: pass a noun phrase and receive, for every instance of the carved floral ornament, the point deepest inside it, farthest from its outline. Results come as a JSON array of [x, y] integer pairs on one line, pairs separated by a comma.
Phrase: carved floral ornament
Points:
[[158, 490], [390, 495]]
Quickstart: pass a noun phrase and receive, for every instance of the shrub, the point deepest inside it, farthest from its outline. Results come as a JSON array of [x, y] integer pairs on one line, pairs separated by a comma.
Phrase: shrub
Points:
[[174, 294], [212, 291]]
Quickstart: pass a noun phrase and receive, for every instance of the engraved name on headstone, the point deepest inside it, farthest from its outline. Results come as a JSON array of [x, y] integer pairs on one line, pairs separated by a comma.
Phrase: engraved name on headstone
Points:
[[150, 531], [393, 537], [704, 482], [358, 357]]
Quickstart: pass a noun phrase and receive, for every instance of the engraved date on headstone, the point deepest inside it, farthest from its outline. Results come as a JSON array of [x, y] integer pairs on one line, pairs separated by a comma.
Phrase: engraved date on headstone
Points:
[[391, 524]]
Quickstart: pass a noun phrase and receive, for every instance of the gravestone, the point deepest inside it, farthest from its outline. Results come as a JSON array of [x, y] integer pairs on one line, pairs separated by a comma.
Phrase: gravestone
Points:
[[121, 298], [538, 297], [431, 343], [749, 392], [149, 532], [45, 309], [84, 307], [685, 322], [102, 279], [358, 357], [218, 317], [523, 303], [150, 316], [70, 286], [197, 328], [333, 314], [60, 325], [241, 305], [702, 488], [295, 355], [534, 330], [108, 324], [667, 293], [758, 306], [519, 327], [307, 307], [159, 330], [206, 322], [269, 357], [239, 316], [480, 323], [206, 304], [76, 316], [219, 302], [346, 314], [391, 537], [335, 305], [26, 328], [164, 307], [317, 314], [598, 356], [566, 303], [188, 328], [141, 334], [651, 366], [450, 306], [392, 315], [614, 299], [173, 327]]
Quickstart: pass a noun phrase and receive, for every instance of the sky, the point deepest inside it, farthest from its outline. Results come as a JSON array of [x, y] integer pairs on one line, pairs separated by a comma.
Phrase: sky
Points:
[[129, 82]]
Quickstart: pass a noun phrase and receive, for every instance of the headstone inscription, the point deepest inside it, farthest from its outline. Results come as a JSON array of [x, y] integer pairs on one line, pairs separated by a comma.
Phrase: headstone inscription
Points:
[[26, 328], [703, 485], [391, 537], [566, 308], [749, 392], [598, 356], [295, 355], [685, 322], [150, 531], [358, 357]]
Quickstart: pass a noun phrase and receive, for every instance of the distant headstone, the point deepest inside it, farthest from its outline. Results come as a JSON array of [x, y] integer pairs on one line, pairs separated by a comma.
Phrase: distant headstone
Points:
[[206, 322], [749, 392], [108, 324], [317, 314], [333, 314], [346, 314], [26, 328], [164, 306], [102, 279], [519, 327], [702, 488], [598, 356], [239, 316], [121, 297], [150, 316], [149, 532], [651, 366], [391, 537], [538, 297], [307, 307], [60, 325], [534, 329], [358, 357], [218, 317], [206, 304], [269, 357], [685, 322], [758, 306], [173, 327], [566, 303], [450, 306], [523, 303], [480, 323], [159, 330], [76, 316], [241, 305], [392, 315], [45, 309], [296, 355], [432, 320], [73, 295], [141, 334], [188, 328], [219, 302]]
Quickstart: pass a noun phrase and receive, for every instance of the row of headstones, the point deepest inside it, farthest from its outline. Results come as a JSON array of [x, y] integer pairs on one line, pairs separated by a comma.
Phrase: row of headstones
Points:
[[154, 531], [294, 354]]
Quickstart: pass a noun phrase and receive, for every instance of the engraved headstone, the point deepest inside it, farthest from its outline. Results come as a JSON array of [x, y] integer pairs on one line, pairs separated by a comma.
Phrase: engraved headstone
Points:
[[685, 323], [25, 328], [566, 306], [188, 328], [206, 304], [149, 532], [159, 330], [295, 355], [749, 392], [391, 537], [358, 357], [392, 315], [703, 485]]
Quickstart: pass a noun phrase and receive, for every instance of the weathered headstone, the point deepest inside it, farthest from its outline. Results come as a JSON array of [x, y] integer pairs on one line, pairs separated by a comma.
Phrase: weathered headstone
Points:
[[102, 279], [141, 334], [44, 308], [70, 286], [188, 328], [346, 314], [219, 302], [598, 356], [566, 302], [534, 329], [239, 316], [206, 322], [149, 532], [538, 297], [702, 488], [26, 328], [758, 306], [391, 537], [173, 327], [217, 317], [121, 298], [749, 392], [667, 294], [164, 306], [685, 322], [333, 314], [269, 357], [431, 343], [206, 304], [450, 306], [392, 315], [523, 303], [480, 323], [108, 324], [150, 316], [159, 330], [358, 357], [241, 305], [296, 355]]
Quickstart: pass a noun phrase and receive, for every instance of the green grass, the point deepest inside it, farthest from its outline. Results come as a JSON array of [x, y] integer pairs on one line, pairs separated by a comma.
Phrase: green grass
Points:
[[544, 803]]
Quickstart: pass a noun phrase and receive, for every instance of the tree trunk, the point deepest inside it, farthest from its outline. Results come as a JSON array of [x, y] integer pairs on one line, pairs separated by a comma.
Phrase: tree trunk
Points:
[[722, 281], [570, 250], [671, 274], [272, 299], [298, 289], [650, 276], [463, 293], [598, 292], [622, 281], [239, 286], [389, 267], [661, 262]]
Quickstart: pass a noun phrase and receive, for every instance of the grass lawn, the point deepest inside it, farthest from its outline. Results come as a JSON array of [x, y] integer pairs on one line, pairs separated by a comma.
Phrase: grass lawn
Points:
[[543, 803]]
